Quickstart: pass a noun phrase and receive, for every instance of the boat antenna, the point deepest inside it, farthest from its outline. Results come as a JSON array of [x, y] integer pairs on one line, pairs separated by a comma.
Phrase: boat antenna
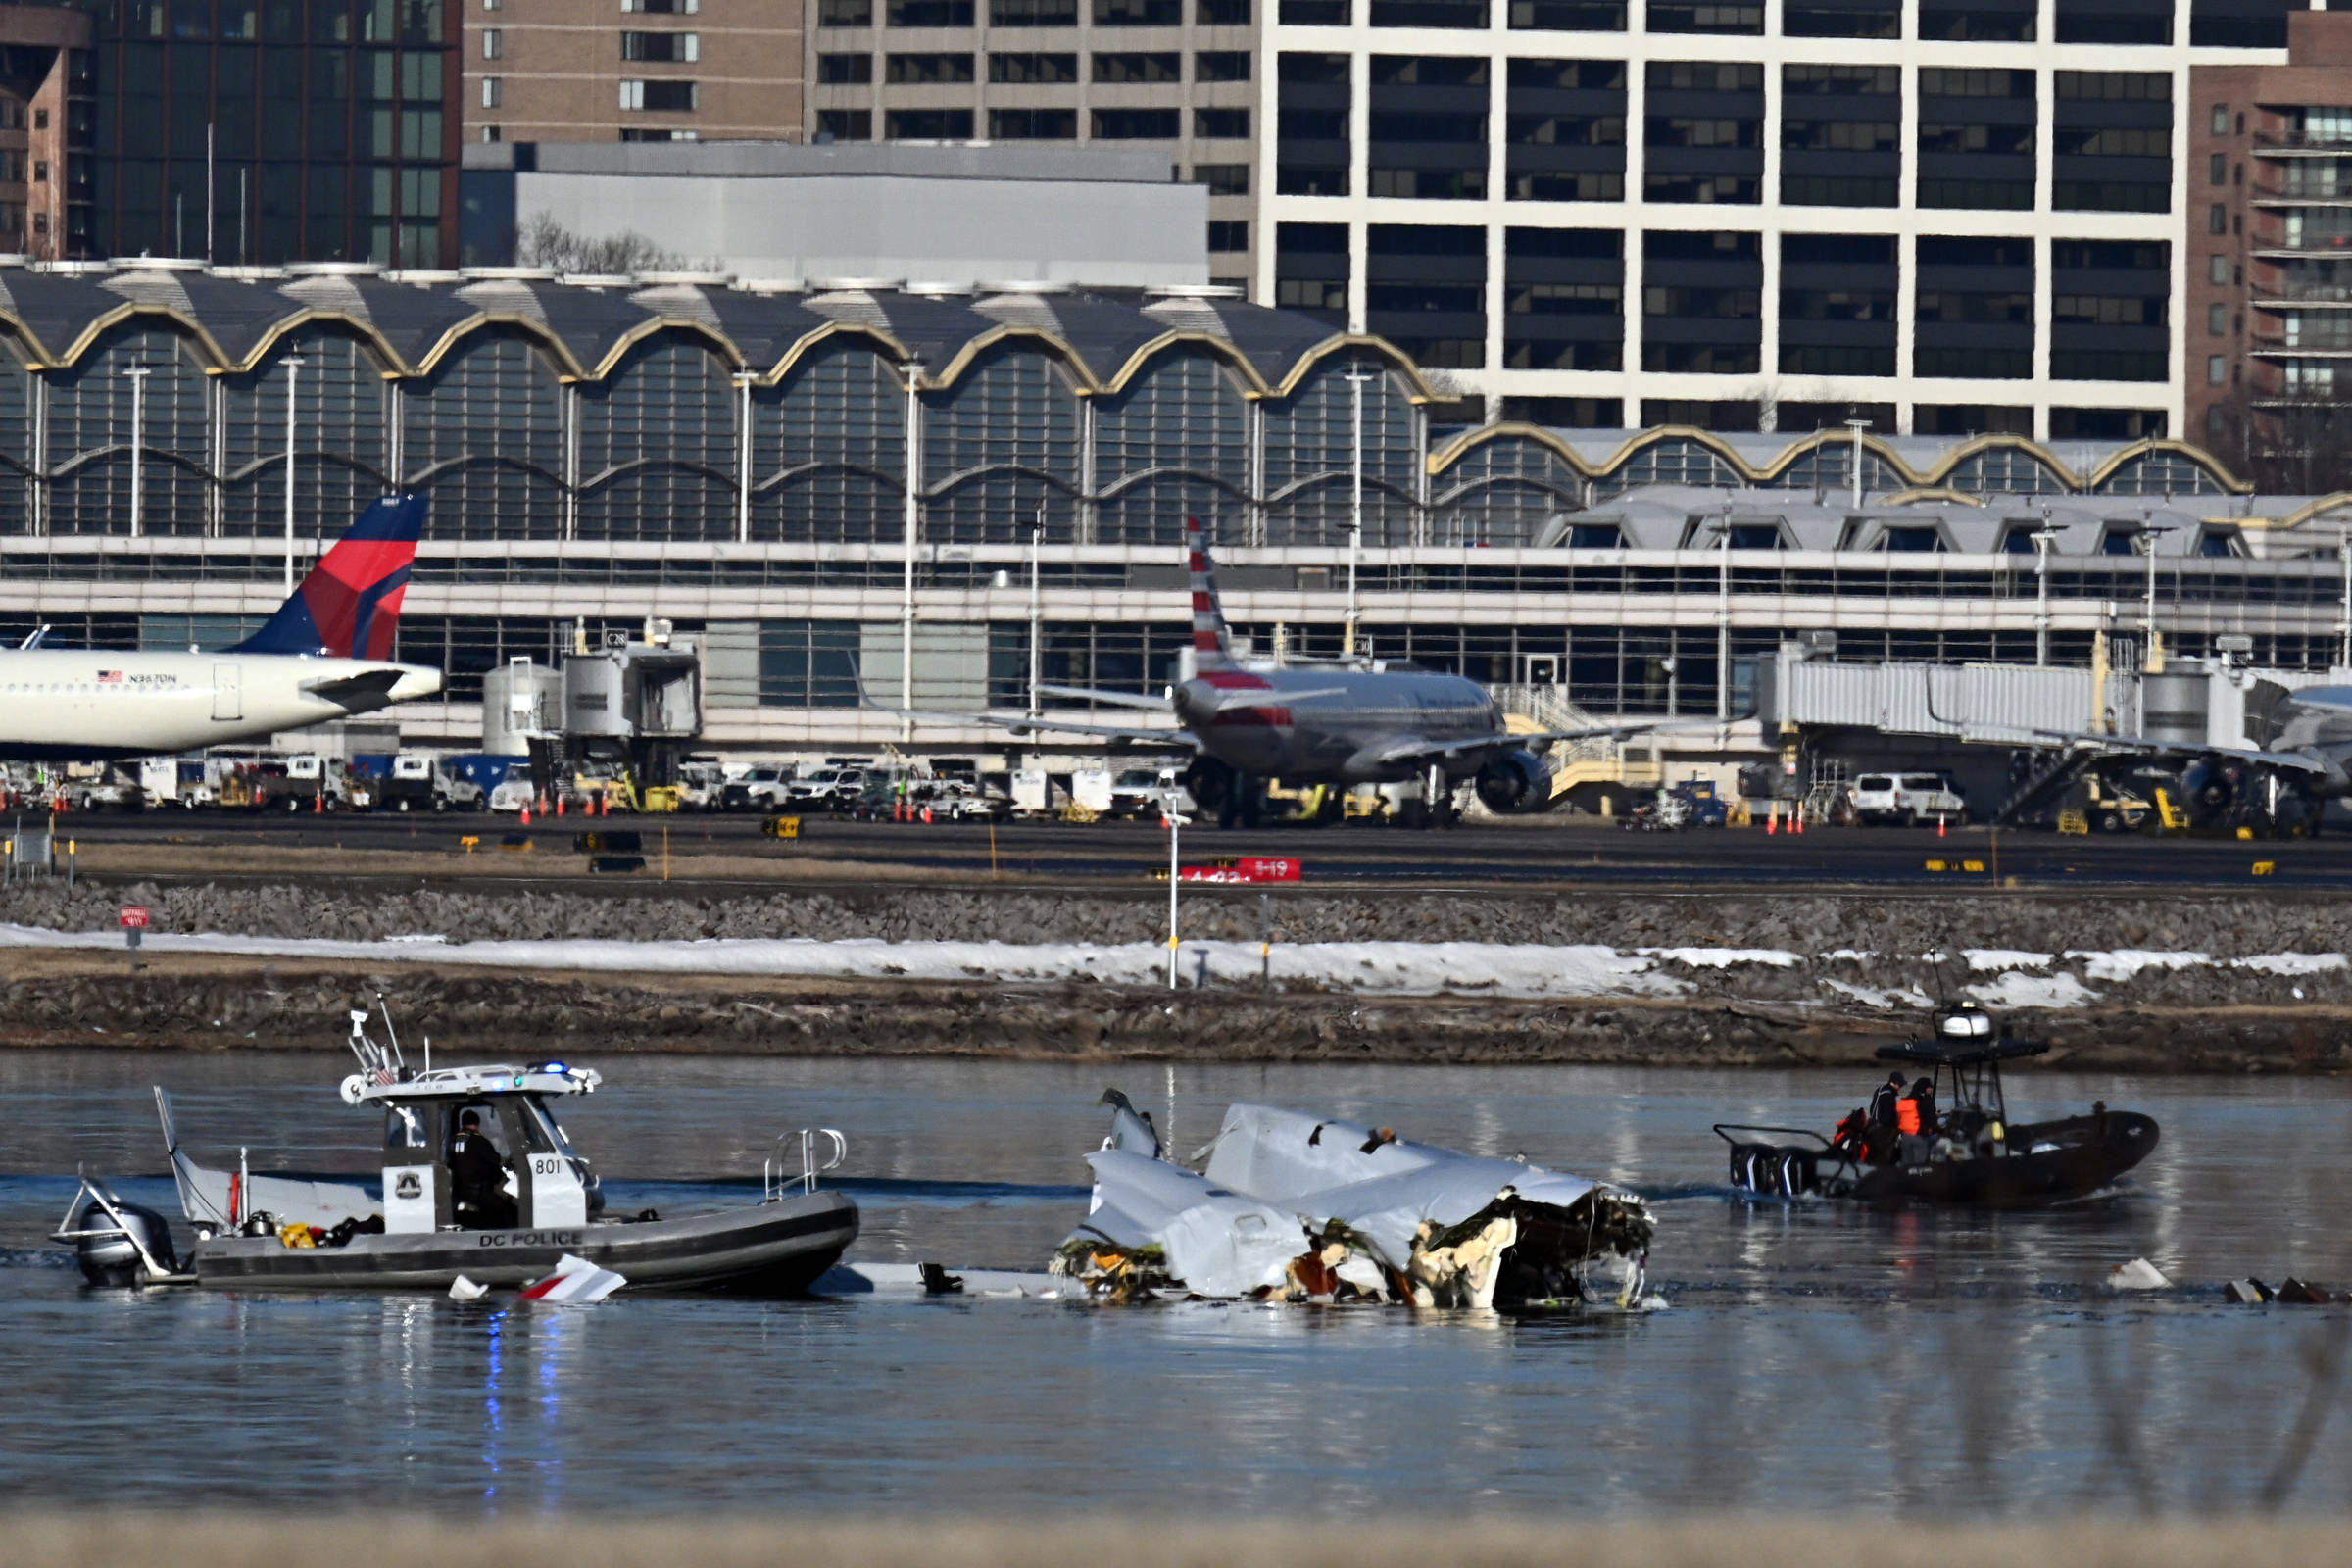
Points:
[[390, 1033]]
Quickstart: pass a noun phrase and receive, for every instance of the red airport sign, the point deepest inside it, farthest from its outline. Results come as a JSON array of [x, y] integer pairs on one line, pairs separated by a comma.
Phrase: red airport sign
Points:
[[134, 916]]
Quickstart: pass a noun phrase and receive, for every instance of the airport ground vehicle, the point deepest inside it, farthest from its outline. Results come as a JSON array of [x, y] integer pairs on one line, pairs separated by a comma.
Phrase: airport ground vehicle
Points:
[[961, 801], [702, 784], [762, 787], [1907, 799], [414, 782], [174, 781], [824, 789]]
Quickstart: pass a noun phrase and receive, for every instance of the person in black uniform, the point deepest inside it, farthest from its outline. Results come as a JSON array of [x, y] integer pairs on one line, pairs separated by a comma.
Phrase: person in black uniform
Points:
[[1878, 1138], [477, 1177]]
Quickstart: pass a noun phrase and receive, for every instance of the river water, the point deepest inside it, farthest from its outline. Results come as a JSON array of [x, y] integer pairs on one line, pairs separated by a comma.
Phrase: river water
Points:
[[1812, 1354]]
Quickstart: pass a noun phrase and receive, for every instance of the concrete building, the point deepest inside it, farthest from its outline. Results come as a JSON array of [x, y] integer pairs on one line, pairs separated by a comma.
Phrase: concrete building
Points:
[[632, 69], [2270, 277], [1940, 216], [754, 463], [784, 212], [38, 48], [1177, 79]]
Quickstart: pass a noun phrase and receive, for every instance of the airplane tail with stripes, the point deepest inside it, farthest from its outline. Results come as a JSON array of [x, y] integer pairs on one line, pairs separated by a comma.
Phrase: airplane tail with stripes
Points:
[[1212, 640], [349, 606]]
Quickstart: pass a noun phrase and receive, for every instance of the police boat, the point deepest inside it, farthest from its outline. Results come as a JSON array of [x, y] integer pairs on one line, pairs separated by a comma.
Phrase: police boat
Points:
[[428, 1226], [1972, 1154]]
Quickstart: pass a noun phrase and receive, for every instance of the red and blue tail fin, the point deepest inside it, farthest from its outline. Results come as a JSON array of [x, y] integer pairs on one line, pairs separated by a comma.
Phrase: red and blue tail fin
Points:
[[1212, 640], [349, 606]]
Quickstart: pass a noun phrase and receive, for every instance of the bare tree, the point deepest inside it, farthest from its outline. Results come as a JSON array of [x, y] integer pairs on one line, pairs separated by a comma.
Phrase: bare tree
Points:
[[542, 241]]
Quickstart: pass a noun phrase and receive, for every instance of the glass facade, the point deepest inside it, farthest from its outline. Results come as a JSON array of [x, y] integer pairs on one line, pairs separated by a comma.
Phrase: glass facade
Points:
[[266, 131]]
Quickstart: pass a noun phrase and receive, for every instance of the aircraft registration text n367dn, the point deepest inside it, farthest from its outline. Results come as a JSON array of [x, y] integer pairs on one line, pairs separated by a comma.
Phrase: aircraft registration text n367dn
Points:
[[325, 655]]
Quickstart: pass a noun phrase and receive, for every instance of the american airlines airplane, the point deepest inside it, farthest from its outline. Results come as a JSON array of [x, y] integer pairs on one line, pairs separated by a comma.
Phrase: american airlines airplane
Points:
[[1351, 723], [326, 653]]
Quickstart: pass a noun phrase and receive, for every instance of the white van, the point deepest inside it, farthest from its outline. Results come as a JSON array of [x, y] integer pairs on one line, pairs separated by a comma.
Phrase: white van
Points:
[[1905, 798]]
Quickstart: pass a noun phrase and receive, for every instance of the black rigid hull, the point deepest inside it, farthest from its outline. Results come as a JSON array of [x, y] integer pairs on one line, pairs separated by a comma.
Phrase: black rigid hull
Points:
[[2076, 1155], [2045, 1162], [777, 1248]]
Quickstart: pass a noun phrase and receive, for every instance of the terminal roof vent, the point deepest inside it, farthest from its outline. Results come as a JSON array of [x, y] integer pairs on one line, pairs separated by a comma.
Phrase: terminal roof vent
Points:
[[1187, 311], [685, 278], [332, 268], [597, 280], [1197, 291], [1021, 310], [15, 259], [425, 277], [510, 274], [504, 296], [856, 285], [940, 291], [160, 264], [150, 286], [1030, 286], [678, 302], [771, 285], [331, 292], [75, 268]]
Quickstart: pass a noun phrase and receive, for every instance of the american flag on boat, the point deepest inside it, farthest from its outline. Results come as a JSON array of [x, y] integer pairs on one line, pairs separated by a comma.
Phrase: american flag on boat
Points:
[[108, 676]]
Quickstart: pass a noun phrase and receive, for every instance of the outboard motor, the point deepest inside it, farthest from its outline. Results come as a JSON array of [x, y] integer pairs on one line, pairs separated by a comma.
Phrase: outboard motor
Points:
[[1515, 781], [107, 1251]]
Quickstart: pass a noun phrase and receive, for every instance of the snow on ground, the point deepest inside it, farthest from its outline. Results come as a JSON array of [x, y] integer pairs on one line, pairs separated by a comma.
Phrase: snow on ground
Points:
[[2012, 979]]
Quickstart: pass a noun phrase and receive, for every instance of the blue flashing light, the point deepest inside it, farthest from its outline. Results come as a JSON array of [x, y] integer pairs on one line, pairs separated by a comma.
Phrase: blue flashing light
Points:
[[556, 1067]]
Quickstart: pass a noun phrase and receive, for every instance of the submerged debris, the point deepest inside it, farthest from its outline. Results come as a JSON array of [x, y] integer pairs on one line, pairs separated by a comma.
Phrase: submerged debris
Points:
[[1294, 1208]]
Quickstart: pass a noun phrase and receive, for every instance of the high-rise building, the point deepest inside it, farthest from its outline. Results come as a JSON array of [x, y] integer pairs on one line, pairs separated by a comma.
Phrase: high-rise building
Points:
[[2269, 366], [41, 50], [1177, 78], [263, 131], [632, 69], [1937, 216]]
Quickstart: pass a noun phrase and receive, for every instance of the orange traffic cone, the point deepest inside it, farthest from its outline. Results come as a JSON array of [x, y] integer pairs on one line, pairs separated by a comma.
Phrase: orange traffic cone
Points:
[[319, 803], [926, 817], [558, 803], [1940, 825], [526, 813], [1772, 822]]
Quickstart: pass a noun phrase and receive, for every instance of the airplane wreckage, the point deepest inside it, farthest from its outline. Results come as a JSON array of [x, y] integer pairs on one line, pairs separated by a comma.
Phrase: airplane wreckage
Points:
[[1294, 1208]]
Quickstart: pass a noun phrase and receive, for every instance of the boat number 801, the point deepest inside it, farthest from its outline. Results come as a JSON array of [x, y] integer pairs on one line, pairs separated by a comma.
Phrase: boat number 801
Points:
[[547, 1164]]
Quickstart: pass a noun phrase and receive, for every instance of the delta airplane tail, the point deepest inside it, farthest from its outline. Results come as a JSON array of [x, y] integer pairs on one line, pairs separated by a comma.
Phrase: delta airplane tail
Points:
[[1212, 640], [349, 606]]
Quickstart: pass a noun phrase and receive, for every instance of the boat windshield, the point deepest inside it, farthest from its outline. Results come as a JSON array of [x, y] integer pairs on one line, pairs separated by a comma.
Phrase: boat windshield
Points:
[[540, 1131], [404, 1130]]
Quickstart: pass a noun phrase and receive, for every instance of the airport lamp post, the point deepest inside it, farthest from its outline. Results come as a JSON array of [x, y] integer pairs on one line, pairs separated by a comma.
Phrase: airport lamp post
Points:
[[2149, 533], [137, 374], [742, 456], [293, 379], [1358, 376], [2343, 553], [1722, 622], [1857, 426], [914, 416], [2043, 537], [1037, 609]]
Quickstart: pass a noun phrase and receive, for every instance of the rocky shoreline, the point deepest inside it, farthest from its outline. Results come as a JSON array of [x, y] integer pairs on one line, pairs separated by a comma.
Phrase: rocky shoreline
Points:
[[2182, 984]]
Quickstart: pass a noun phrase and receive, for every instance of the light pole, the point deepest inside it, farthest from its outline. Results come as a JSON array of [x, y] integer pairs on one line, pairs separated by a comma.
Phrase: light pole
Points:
[[2343, 553], [137, 375], [742, 456], [293, 379], [2150, 659], [2043, 537], [1037, 610], [1723, 621], [915, 414], [1358, 376], [1857, 426], [1175, 824]]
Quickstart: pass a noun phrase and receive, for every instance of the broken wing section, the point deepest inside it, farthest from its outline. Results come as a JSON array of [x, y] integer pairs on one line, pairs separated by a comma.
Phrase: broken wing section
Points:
[[1156, 1226]]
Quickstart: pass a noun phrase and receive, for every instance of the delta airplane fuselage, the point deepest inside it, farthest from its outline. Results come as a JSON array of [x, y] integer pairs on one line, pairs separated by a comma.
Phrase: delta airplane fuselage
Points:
[[94, 704]]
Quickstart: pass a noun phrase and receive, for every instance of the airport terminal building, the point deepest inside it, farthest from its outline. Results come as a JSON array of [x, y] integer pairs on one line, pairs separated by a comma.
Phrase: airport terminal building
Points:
[[735, 460]]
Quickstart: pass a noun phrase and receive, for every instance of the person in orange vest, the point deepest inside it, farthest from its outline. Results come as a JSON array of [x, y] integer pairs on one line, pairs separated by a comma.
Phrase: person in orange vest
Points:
[[1914, 1120]]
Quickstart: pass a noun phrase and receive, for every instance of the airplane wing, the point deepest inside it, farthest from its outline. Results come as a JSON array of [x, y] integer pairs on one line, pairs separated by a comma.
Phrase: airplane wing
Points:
[[1023, 724], [1415, 748], [2141, 746], [1089, 693]]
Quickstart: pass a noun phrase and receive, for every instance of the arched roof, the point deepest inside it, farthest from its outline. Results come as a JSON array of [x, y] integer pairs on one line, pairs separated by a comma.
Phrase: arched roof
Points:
[[1923, 461], [588, 327]]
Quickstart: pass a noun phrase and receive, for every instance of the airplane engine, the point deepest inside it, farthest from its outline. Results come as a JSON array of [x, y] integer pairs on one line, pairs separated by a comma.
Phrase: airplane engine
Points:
[[1211, 783], [1516, 781], [2212, 785]]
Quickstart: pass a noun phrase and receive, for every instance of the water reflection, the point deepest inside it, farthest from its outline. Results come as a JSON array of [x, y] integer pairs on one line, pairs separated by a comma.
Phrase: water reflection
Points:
[[1927, 1362]]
